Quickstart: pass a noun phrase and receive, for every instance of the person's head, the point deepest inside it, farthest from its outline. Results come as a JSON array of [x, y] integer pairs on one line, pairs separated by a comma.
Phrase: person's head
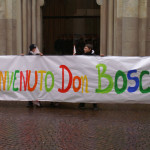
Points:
[[88, 48], [33, 47]]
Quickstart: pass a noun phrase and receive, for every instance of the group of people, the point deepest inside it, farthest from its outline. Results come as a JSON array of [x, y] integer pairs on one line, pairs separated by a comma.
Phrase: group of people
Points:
[[64, 44], [88, 51]]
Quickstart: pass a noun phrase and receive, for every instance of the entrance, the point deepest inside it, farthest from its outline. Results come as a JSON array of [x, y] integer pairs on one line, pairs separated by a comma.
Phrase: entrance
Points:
[[70, 22]]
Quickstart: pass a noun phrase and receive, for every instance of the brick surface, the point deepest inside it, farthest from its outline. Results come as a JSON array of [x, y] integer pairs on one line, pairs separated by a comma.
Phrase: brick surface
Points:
[[67, 128]]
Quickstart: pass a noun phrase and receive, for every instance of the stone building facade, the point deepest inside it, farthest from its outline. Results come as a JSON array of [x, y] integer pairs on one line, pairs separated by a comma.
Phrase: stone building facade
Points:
[[20, 25], [124, 26]]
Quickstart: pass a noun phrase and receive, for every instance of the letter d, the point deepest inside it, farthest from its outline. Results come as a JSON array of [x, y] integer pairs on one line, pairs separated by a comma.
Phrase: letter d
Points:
[[70, 79]]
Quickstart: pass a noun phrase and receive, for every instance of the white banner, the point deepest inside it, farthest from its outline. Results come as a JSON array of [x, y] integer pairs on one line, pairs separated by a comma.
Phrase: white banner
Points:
[[89, 79]]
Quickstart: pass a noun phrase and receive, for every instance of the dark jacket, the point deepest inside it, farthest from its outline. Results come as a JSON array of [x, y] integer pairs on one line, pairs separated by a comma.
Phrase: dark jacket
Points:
[[31, 53], [90, 53]]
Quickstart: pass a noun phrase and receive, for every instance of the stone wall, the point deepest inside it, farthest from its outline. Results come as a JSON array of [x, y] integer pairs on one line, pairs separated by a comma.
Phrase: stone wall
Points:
[[7, 27], [20, 25], [29, 24], [148, 31], [124, 26]]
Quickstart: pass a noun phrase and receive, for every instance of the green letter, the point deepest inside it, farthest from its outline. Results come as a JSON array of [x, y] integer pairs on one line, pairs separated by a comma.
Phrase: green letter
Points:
[[124, 87], [9, 83], [103, 75], [15, 89], [141, 88], [49, 89]]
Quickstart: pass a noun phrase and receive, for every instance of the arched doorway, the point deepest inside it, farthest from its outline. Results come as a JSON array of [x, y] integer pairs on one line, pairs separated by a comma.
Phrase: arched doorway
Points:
[[69, 22]]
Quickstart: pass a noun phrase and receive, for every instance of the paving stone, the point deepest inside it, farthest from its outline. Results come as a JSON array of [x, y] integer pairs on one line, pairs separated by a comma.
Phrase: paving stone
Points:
[[67, 128]]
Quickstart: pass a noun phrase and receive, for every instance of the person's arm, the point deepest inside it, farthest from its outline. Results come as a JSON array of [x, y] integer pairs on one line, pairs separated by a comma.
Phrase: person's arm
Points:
[[41, 54]]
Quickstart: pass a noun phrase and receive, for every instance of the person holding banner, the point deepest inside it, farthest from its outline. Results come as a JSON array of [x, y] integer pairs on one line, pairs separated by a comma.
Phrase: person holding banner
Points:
[[88, 51], [34, 51]]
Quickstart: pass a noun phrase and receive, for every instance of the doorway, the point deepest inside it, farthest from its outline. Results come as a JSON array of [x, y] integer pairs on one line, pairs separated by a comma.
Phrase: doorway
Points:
[[70, 22]]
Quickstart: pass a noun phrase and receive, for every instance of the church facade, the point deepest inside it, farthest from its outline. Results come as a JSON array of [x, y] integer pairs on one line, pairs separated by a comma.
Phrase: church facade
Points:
[[123, 28]]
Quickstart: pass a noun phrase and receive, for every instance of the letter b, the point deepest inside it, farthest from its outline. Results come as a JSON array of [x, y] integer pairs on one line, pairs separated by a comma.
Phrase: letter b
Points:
[[103, 75]]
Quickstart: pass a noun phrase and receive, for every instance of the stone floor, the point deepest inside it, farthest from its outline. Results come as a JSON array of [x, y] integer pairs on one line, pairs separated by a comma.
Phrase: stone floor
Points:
[[115, 127]]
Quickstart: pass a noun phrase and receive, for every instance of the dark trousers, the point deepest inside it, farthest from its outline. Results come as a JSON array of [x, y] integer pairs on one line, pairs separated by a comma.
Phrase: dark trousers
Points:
[[83, 105], [30, 103]]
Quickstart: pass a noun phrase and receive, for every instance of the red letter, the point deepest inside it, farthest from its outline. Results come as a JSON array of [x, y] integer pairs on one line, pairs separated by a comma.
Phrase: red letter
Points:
[[25, 82], [70, 79], [35, 84]]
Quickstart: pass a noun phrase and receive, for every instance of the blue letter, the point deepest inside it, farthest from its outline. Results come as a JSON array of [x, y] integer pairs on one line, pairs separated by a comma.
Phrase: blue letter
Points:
[[136, 79]]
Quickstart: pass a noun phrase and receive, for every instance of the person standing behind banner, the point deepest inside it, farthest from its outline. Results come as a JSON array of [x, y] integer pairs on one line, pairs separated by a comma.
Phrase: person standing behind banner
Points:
[[34, 51], [88, 51]]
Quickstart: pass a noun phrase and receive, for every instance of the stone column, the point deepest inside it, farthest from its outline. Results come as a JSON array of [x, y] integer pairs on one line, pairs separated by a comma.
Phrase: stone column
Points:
[[130, 28], [131, 23], [124, 27], [7, 27], [103, 28], [148, 30], [3, 22], [24, 25], [107, 27], [19, 27], [142, 26], [34, 27], [118, 11], [29, 22], [39, 23], [111, 27], [10, 27], [8, 15], [115, 49], [110, 33]]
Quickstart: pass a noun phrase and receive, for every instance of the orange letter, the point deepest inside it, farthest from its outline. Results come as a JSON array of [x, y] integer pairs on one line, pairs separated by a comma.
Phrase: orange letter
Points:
[[4, 80], [78, 88]]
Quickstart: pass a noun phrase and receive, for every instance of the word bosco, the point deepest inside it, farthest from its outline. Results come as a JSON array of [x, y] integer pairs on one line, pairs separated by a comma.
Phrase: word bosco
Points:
[[130, 76]]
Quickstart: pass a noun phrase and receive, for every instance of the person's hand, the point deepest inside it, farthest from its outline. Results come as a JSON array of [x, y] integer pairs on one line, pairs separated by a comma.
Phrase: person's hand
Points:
[[102, 55], [21, 54], [41, 54]]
